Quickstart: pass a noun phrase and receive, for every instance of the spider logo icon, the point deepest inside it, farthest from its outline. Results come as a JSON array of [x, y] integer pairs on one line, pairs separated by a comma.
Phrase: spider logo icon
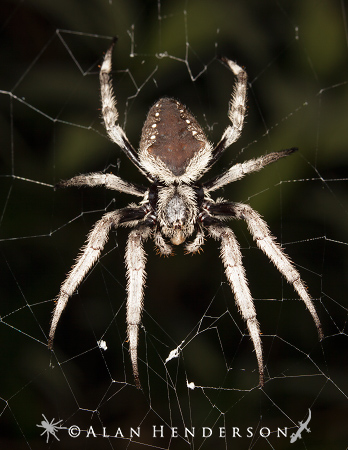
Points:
[[49, 428]]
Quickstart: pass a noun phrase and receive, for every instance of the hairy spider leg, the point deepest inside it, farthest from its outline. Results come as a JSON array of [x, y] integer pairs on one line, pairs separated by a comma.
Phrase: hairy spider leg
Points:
[[90, 253], [235, 273], [135, 258], [110, 113], [236, 111], [239, 170]]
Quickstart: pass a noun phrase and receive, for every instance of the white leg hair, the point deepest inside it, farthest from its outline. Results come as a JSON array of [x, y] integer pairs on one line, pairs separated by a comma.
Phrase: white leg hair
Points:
[[266, 242], [135, 259], [95, 243], [238, 171], [237, 107], [110, 113], [108, 180], [235, 273]]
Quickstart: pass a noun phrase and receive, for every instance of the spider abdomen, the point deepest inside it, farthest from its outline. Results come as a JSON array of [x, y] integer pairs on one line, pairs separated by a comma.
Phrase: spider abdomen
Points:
[[171, 138]]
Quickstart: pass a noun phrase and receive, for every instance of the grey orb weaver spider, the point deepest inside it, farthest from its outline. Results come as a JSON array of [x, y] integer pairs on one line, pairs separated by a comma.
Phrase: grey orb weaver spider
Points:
[[173, 155]]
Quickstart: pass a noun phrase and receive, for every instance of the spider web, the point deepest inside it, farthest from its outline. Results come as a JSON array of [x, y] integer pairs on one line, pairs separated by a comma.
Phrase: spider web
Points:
[[197, 365]]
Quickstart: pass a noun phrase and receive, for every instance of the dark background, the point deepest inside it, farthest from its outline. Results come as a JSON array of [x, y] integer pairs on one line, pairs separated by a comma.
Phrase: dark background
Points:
[[296, 56]]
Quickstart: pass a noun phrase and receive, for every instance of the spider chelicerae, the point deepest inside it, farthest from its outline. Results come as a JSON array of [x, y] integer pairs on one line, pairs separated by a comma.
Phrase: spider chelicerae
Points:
[[173, 155]]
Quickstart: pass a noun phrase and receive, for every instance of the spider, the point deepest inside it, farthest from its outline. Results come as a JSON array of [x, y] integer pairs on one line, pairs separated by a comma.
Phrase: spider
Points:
[[173, 155], [49, 428]]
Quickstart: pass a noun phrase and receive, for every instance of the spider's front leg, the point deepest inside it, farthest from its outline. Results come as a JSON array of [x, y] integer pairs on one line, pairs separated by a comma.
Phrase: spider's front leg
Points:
[[267, 243], [135, 262], [235, 273], [89, 255]]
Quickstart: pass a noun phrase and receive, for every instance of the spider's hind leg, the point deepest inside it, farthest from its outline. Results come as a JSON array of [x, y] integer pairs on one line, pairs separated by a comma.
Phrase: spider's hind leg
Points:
[[110, 113], [236, 111]]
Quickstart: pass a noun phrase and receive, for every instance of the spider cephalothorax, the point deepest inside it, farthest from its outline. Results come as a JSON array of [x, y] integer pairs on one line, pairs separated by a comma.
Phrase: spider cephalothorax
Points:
[[173, 155]]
